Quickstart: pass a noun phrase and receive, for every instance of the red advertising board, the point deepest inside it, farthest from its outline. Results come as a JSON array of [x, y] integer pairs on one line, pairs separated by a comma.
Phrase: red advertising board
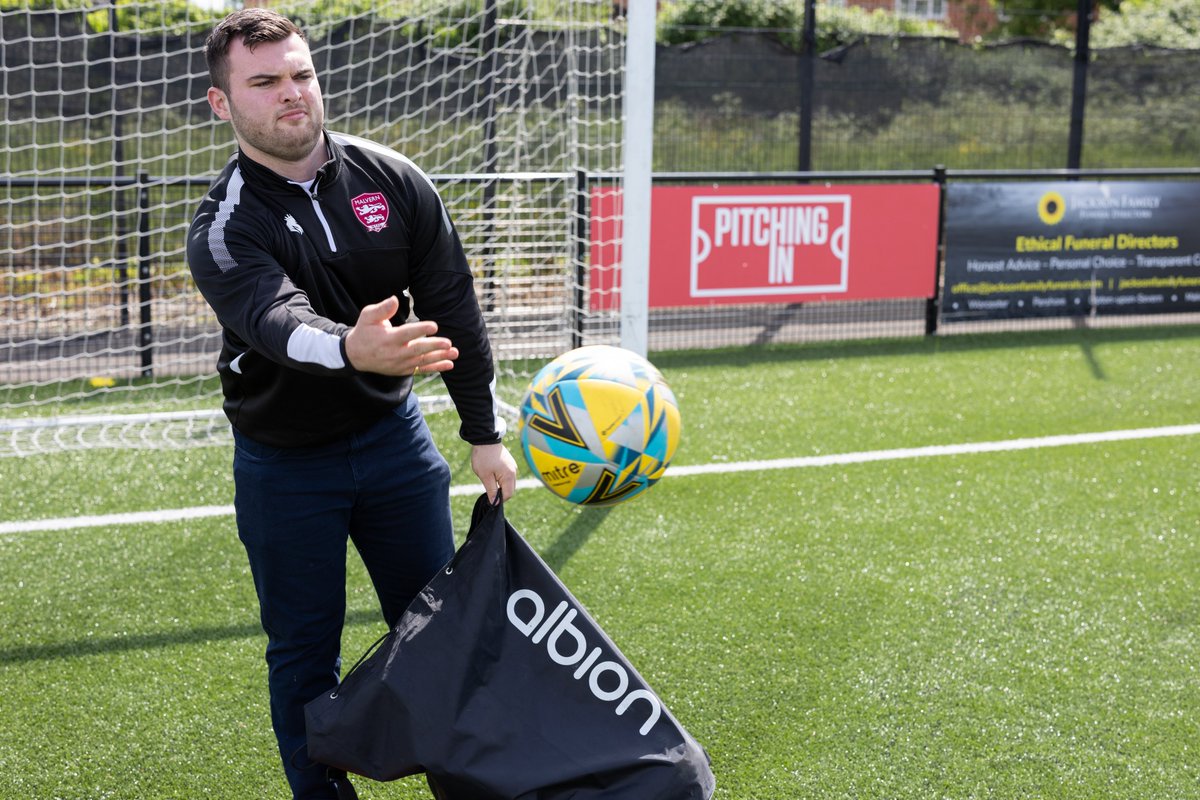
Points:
[[775, 244]]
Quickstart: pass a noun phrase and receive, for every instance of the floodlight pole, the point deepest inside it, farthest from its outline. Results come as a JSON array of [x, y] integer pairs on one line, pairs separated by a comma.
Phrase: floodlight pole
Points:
[[638, 149]]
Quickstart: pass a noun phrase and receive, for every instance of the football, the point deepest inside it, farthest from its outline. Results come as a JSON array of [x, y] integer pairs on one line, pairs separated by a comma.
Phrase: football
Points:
[[599, 425]]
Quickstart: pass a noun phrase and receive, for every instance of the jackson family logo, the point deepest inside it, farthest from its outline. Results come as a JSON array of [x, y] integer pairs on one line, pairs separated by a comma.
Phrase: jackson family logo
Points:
[[607, 680], [770, 245], [1051, 208], [371, 210]]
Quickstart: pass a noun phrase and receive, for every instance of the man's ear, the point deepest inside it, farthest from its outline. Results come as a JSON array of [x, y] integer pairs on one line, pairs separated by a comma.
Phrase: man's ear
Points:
[[219, 102]]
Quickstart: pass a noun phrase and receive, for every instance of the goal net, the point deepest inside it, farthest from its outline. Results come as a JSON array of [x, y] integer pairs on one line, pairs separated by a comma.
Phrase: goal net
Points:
[[512, 106]]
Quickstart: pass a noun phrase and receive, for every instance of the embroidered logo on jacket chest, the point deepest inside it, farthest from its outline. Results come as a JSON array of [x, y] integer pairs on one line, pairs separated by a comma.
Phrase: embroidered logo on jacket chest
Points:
[[371, 210]]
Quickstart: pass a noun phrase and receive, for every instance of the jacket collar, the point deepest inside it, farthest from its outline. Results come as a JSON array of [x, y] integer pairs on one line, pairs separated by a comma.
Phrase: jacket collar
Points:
[[265, 178]]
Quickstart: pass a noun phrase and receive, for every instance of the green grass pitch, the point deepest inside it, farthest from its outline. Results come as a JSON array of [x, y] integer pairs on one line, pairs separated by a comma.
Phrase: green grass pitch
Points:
[[991, 625]]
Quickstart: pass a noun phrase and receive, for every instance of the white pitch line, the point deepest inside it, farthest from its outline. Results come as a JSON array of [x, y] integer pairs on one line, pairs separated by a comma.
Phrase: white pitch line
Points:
[[942, 450], [199, 512]]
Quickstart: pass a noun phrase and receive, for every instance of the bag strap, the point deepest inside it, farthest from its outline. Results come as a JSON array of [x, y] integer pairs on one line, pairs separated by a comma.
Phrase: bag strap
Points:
[[483, 507], [333, 695]]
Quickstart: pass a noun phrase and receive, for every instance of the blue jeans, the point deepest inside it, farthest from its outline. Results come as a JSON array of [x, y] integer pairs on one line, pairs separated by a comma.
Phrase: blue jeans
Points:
[[387, 490]]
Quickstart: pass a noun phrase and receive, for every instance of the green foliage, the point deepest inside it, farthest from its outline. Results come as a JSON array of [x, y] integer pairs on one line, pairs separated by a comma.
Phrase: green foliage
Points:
[[838, 25], [454, 24], [1041, 19], [174, 16], [464, 24], [457, 24], [1158, 23], [695, 20], [333, 11], [729, 14]]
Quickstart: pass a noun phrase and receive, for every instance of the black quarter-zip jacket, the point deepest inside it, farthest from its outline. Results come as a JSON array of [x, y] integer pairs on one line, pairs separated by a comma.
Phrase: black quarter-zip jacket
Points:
[[288, 269]]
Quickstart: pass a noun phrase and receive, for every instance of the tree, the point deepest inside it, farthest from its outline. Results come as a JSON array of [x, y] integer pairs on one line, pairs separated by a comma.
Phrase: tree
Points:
[[1157, 23], [130, 15], [1041, 19], [685, 21]]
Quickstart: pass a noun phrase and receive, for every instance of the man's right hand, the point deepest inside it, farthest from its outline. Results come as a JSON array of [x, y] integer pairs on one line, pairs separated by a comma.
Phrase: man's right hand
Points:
[[375, 345]]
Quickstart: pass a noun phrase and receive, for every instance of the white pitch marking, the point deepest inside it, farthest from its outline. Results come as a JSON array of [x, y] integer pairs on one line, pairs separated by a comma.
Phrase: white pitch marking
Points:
[[200, 512]]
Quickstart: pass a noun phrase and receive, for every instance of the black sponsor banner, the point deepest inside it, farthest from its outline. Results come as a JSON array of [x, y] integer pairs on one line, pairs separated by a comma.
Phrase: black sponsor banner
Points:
[[1071, 248]]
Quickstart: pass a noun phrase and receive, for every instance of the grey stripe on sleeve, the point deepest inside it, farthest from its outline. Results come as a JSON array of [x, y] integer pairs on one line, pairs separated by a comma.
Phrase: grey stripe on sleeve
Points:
[[216, 231]]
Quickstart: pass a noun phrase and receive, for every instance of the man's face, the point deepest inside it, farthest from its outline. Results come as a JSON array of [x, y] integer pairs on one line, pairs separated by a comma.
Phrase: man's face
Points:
[[273, 101]]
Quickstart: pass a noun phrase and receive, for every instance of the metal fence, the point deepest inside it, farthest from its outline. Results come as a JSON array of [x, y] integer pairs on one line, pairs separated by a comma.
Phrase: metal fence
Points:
[[734, 102], [727, 108]]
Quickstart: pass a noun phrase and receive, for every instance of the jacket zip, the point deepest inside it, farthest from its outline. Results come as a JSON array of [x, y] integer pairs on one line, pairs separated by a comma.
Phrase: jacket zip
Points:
[[324, 224]]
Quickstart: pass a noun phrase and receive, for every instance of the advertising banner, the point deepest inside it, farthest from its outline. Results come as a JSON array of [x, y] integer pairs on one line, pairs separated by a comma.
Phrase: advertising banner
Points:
[[1070, 248], [776, 244]]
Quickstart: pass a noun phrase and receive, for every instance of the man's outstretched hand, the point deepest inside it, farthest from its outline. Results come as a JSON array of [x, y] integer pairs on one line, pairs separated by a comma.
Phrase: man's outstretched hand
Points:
[[374, 344]]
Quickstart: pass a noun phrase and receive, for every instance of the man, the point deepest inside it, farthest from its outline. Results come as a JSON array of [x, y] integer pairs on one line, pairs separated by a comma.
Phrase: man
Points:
[[307, 247]]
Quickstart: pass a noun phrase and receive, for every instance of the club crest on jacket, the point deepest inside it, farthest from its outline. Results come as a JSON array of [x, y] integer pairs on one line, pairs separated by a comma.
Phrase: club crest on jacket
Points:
[[371, 210]]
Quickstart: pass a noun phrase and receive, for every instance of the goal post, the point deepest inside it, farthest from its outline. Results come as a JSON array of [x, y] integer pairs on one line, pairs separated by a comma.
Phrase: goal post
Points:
[[513, 107], [636, 180]]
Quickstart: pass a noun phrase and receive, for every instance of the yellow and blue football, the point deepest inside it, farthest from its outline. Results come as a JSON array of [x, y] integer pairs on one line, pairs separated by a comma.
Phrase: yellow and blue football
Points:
[[599, 425]]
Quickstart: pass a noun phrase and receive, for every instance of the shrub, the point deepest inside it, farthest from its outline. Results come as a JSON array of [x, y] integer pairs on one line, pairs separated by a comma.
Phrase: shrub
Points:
[[686, 21]]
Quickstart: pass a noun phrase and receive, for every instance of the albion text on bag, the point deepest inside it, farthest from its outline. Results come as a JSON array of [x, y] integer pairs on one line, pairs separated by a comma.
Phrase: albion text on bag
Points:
[[552, 629]]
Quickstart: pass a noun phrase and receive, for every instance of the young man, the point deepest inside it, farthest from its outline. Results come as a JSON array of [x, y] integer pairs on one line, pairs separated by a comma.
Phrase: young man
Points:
[[307, 247]]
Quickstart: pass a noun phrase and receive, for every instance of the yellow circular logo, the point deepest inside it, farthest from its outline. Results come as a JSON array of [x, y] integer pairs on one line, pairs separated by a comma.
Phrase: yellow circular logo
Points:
[[1051, 208]]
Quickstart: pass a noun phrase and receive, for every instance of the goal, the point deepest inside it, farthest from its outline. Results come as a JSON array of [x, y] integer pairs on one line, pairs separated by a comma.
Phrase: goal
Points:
[[514, 107]]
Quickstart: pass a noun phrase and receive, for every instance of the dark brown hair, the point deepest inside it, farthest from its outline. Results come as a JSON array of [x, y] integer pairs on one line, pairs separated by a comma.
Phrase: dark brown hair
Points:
[[254, 26]]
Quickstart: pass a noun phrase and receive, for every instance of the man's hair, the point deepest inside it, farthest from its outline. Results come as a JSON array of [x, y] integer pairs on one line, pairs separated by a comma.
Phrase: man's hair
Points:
[[254, 26]]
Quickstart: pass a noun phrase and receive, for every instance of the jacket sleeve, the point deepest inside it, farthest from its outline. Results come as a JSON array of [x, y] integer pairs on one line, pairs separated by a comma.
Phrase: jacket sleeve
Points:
[[233, 266], [443, 290]]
